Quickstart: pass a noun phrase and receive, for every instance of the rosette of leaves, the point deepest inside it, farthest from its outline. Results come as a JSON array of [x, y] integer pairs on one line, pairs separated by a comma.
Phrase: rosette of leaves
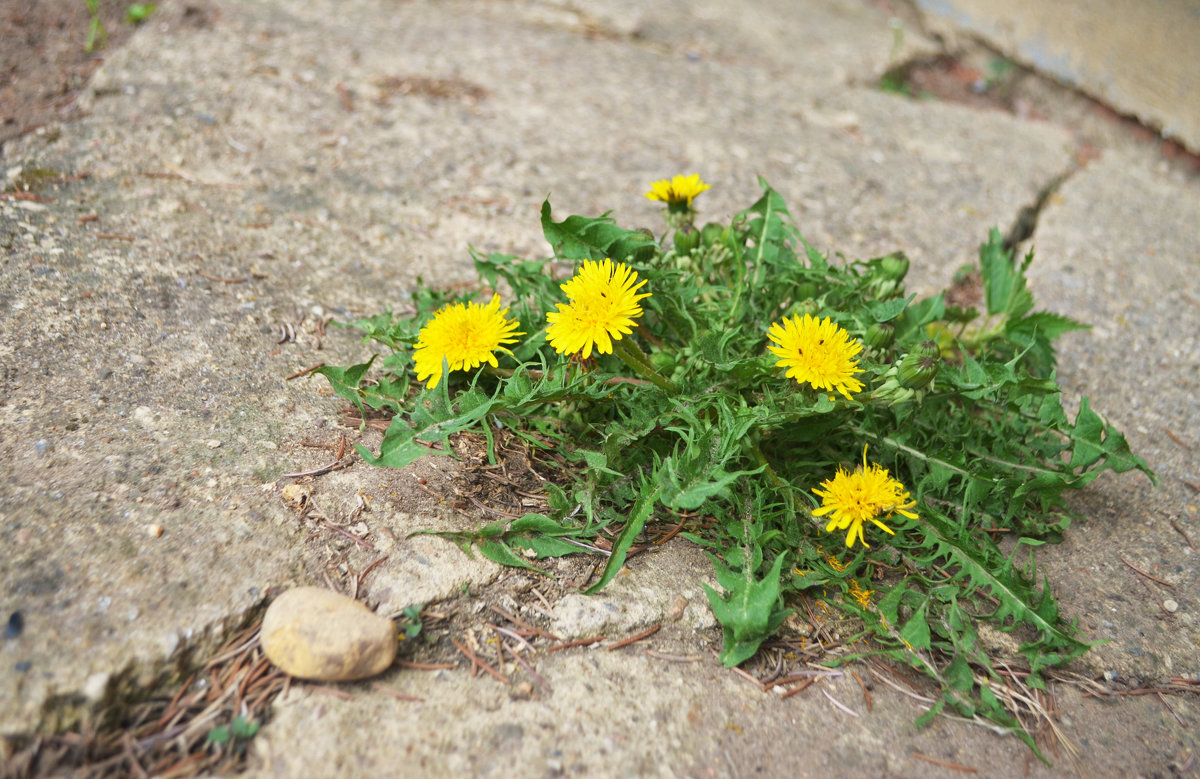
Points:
[[973, 425]]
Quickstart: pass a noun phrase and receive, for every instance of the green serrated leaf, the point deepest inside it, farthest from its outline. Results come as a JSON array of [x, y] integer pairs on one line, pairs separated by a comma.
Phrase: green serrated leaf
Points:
[[646, 500], [345, 382], [1004, 286], [750, 613], [580, 238], [915, 631]]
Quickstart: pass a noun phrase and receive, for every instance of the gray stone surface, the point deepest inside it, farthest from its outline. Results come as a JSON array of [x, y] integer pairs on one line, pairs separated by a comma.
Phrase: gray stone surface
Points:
[[1139, 59], [1140, 363], [275, 142]]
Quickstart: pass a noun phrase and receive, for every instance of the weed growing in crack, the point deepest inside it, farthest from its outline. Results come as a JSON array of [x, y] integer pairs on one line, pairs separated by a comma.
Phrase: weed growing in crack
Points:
[[768, 400]]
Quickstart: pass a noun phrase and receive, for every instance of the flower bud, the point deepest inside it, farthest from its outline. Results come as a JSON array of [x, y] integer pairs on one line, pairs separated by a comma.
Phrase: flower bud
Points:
[[887, 276], [687, 238], [916, 370], [891, 392], [893, 267], [880, 335], [805, 290], [928, 349], [711, 233]]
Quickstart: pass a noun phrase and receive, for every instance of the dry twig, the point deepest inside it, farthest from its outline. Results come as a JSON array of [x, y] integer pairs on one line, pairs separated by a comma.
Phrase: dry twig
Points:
[[632, 639], [946, 764]]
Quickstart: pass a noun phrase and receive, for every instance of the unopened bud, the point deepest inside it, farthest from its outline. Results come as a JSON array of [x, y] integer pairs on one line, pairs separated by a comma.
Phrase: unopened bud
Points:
[[894, 267], [711, 233], [928, 349], [805, 290], [687, 238], [887, 276], [891, 392], [916, 370], [880, 335]]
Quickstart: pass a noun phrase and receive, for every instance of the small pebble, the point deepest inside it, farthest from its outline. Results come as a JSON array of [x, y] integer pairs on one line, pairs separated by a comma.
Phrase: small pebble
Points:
[[155, 531], [214, 444], [95, 686], [314, 633], [1170, 605], [16, 624]]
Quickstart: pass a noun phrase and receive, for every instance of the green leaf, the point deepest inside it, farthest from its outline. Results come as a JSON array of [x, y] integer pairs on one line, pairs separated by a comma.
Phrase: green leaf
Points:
[[136, 13], [1015, 598], [244, 728], [1094, 439], [647, 498], [433, 423], [886, 311], [769, 225], [580, 238], [499, 552], [219, 735], [749, 615], [916, 631], [547, 546], [959, 674], [1004, 287], [931, 714], [345, 381], [911, 322]]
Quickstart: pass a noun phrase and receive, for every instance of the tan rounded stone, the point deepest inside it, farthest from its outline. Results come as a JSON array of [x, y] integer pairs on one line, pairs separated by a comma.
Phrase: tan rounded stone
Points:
[[314, 633]]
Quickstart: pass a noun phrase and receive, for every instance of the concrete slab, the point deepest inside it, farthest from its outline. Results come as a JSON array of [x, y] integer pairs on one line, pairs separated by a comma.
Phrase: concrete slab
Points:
[[1117, 247], [1140, 59], [288, 161]]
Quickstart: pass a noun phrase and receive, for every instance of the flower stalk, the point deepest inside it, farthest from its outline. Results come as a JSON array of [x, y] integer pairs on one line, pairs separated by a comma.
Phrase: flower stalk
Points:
[[632, 355]]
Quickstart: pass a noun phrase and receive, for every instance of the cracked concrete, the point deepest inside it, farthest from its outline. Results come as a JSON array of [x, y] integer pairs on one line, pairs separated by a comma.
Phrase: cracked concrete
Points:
[[278, 145], [1143, 64]]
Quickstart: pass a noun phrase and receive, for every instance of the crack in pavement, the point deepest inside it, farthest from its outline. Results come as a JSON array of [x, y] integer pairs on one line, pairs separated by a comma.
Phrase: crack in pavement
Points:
[[1026, 221]]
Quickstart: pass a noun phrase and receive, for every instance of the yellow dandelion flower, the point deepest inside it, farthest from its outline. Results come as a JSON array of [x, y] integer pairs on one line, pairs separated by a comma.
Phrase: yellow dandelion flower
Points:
[[466, 335], [678, 191], [816, 351], [868, 494], [603, 302]]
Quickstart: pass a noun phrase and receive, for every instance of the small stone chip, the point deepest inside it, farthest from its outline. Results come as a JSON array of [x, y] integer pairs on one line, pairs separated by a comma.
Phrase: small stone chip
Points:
[[295, 496], [314, 633], [155, 531], [214, 444], [1170, 605]]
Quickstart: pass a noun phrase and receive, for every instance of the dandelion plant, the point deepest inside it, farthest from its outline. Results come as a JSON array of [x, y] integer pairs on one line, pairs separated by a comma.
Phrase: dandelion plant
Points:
[[732, 378]]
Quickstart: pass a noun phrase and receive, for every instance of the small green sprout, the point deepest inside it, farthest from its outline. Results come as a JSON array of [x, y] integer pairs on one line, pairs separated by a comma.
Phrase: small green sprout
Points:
[[411, 624], [241, 729], [136, 13]]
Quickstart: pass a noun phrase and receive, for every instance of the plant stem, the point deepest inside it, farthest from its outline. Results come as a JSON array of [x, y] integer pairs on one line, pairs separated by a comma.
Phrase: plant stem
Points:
[[632, 355], [739, 283], [761, 459]]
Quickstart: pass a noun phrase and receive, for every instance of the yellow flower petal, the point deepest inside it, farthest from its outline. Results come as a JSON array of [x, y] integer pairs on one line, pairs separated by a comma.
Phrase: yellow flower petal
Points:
[[816, 352], [869, 494], [465, 335], [603, 302], [679, 190]]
